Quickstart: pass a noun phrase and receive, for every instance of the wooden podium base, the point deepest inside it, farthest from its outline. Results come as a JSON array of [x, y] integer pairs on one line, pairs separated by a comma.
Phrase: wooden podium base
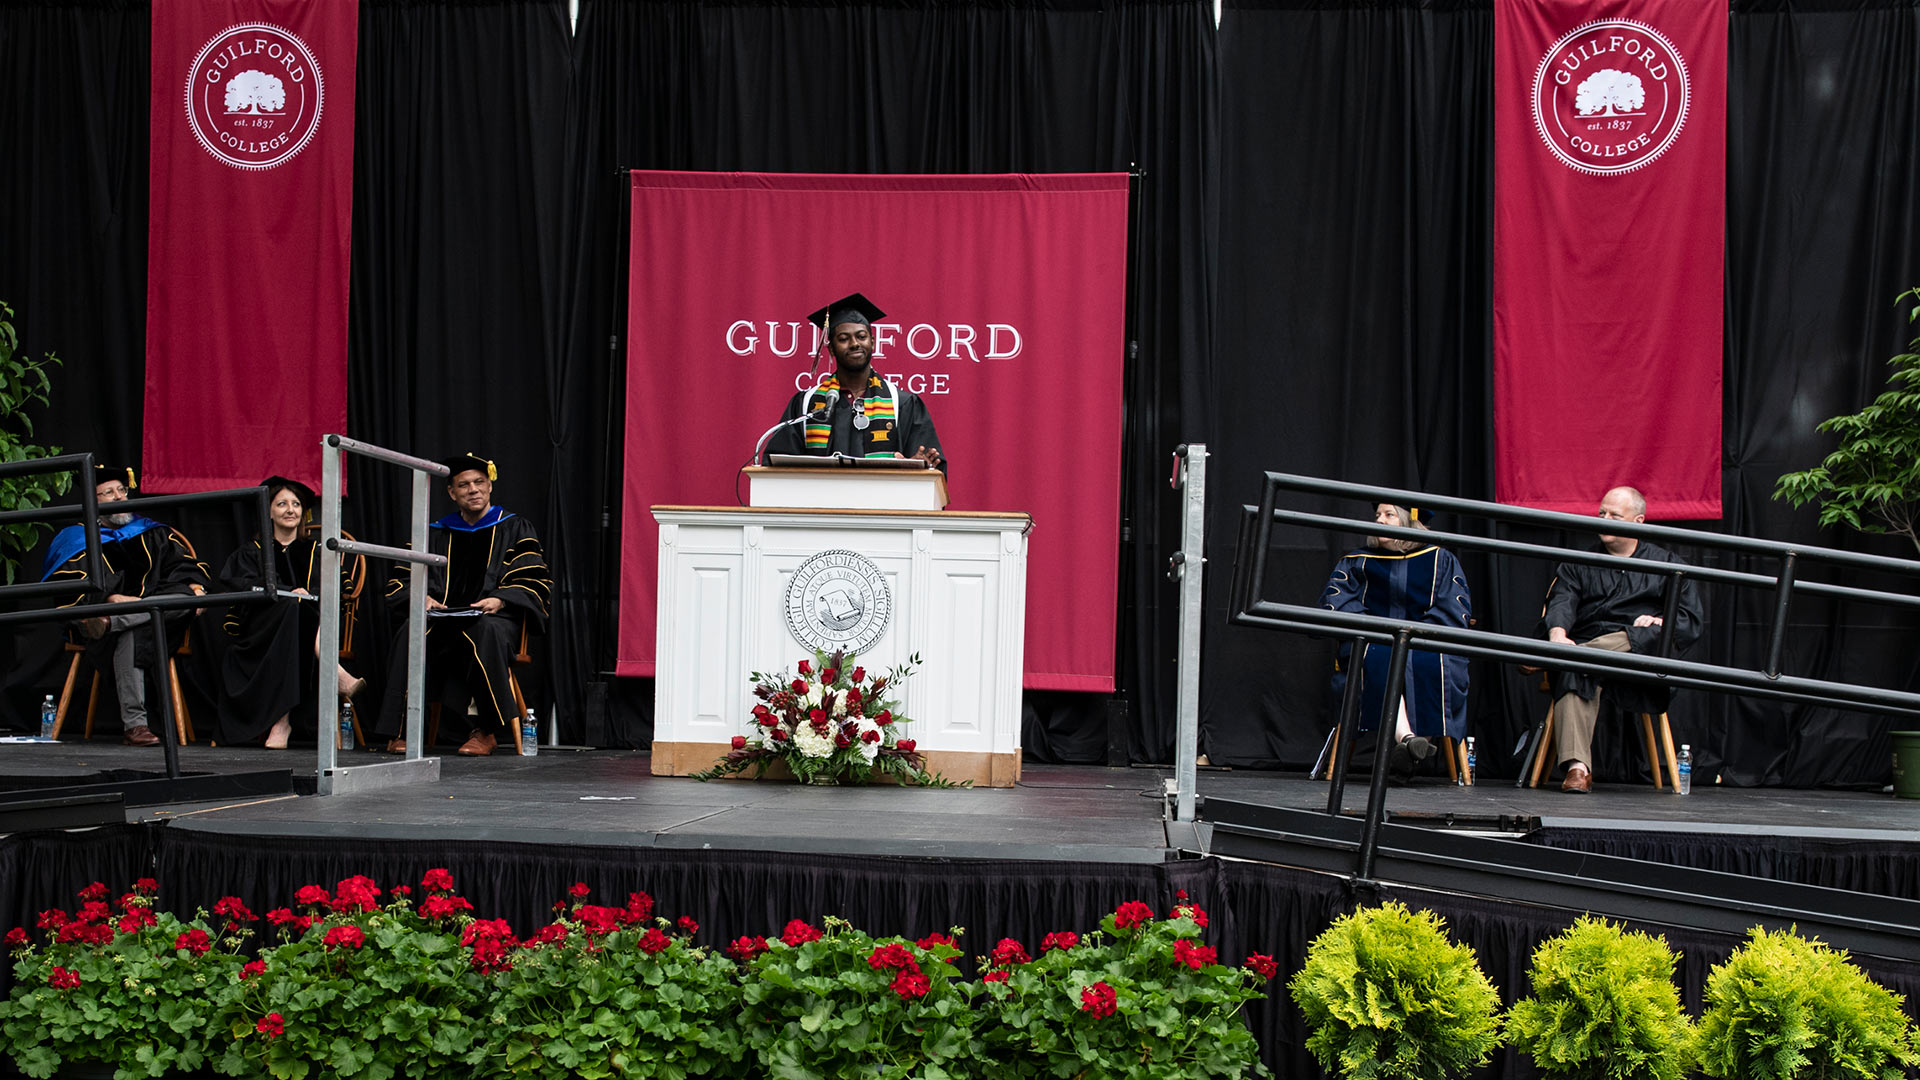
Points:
[[985, 770]]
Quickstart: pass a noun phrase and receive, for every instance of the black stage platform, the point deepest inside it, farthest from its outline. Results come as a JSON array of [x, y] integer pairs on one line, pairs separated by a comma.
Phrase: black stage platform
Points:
[[1058, 851]]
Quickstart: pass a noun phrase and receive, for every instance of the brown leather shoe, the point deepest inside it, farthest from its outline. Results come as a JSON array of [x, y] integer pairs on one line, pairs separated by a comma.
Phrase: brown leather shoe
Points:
[[140, 736], [396, 746], [1579, 780], [478, 744]]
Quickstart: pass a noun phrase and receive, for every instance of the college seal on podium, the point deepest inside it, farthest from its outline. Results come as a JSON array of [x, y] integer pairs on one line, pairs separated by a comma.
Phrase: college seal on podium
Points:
[[838, 599]]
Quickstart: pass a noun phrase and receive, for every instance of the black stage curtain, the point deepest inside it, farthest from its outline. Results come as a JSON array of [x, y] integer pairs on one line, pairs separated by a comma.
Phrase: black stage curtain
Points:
[[893, 86], [1886, 867], [1354, 286]]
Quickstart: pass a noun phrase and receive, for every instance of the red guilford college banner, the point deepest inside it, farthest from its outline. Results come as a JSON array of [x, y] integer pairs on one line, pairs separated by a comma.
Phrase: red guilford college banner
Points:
[[1609, 233], [249, 212], [1005, 306]]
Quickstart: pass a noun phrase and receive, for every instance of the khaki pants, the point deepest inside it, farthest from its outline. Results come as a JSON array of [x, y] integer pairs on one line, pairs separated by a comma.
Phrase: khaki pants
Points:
[[1574, 717]]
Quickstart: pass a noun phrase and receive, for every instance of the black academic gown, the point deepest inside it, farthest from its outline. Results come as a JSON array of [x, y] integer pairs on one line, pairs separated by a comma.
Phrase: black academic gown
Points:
[[270, 669], [500, 556], [1589, 601], [911, 429], [1419, 586], [146, 558]]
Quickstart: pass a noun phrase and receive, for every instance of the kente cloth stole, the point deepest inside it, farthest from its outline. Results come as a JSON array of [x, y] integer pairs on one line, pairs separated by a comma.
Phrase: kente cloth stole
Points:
[[882, 405]]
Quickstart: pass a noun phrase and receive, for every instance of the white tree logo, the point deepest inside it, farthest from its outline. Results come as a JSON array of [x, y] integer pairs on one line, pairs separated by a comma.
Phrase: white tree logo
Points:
[[256, 92], [1607, 92]]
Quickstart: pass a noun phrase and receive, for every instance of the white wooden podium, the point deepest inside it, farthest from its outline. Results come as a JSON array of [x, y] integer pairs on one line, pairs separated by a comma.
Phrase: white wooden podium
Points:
[[737, 586]]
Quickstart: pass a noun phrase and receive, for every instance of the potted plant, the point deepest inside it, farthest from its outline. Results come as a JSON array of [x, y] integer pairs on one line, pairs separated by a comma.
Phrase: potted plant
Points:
[[1140, 997], [1786, 1008], [829, 721], [1388, 997], [834, 1002], [117, 984], [1603, 1007], [611, 991], [358, 989]]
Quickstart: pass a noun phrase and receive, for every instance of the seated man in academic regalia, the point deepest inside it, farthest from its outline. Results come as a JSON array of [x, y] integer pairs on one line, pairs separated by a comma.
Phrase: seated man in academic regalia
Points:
[[141, 558], [854, 412], [495, 582]]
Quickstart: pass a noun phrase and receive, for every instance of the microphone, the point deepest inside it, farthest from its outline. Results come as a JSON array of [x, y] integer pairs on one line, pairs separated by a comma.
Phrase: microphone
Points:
[[824, 405]]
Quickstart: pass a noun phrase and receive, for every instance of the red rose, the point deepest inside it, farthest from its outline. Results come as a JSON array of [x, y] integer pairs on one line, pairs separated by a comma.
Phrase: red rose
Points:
[[272, 1025], [799, 686], [997, 976], [779, 735], [859, 674], [1059, 939], [1098, 999], [829, 676], [744, 949], [1262, 965], [578, 890], [62, 979], [654, 941], [769, 720], [911, 984], [1008, 953], [870, 735], [805, 668], [840, 740], [351, 937], [1193, 956], [816, 717], [885, 717], [251, 968], [437, 880], [799, 932], [1132, 913], [194, 941], [853, 696], [905, 746], [739, 742]]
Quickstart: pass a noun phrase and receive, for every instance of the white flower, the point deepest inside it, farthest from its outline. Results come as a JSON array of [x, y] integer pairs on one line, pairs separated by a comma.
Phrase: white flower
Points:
[[813, 695], [839, 705], [869, 750], [811, 743]]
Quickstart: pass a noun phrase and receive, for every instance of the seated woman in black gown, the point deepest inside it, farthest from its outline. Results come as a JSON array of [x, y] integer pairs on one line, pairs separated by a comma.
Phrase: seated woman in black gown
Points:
[[271, 670]]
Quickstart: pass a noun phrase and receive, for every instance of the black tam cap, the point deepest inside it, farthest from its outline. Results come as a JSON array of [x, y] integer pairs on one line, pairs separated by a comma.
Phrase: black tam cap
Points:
[[309, 498], [852, 307], [460, 463], [104, 473]]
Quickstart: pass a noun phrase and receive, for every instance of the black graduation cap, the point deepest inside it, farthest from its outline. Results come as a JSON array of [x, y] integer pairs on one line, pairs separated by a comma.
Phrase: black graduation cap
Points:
[[460, 463], [105, 473], [309, 498], [852, 307]]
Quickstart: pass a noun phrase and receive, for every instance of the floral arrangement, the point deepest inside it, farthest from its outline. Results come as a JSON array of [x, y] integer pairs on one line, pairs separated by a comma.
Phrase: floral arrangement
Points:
[[1140, 997], [829, 721], [117, 983]]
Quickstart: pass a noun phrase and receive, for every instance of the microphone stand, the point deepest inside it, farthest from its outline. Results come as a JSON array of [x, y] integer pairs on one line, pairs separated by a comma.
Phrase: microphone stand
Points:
[[827, 401]]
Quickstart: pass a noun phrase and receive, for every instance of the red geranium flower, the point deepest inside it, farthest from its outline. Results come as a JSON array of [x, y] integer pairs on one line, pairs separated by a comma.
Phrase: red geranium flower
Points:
[[490, 955], [356, 893], [251, 968], [440, 907], [1008, 953], [52, 919], [911, 984], [272, 1025], [640, 905], [1192, 911], [487, 930], [891, 957], [403, 890], [1132, 913], [135, 920], [550, 934], [578, 890], [654, 941], [350, 936], [194, 941], [83, 934], [93, 911], [16, 937], [312, 894], [744, 949], [280, 915], [931, 940], [999, 976], [687, 925], [95, 892], [146, 885], [1194, 956], [62, 979], [1059, 939], [799, 932], [437, 880], [1262, 965], [235, 911], [1098, 999]]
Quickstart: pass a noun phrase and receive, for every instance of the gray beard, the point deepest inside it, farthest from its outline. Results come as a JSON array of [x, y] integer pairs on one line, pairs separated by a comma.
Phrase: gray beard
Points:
[[115, 521]]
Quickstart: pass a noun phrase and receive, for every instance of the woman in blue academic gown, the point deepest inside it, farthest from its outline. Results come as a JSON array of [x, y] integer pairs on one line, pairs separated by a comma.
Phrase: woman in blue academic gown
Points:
[[1405, 579]]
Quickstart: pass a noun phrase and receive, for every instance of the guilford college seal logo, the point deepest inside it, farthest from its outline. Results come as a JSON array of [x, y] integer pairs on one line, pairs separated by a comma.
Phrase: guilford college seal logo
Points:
[[838, 600], [254, 95], [1610, 96]]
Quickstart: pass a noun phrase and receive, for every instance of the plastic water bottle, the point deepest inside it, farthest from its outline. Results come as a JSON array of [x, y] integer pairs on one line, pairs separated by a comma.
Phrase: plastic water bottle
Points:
[[346, 724], [1473, 762], [1683, 772], [47, 711], [529, 735]]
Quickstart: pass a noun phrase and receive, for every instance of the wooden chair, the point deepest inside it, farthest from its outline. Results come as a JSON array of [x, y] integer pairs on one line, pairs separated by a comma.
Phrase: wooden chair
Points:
[[1656, 751], [1453, 750], [182, 721], [521, 659]]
